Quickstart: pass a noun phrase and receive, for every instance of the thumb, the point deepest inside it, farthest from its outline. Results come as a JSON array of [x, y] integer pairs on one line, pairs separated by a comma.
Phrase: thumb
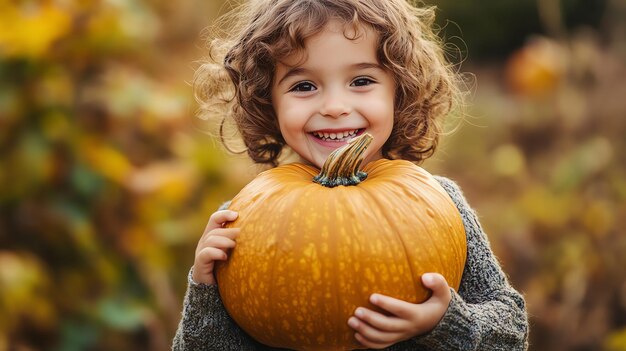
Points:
[[438, 284]]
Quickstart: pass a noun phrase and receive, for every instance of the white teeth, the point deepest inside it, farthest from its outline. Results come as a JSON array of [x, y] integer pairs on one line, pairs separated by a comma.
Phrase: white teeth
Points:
[[336, 136]]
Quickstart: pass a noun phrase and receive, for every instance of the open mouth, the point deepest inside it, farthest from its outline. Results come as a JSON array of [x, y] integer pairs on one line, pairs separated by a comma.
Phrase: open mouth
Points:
[[337, 136]]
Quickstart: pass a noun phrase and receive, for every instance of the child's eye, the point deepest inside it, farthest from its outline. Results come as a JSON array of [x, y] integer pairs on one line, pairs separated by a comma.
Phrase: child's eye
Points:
[[303, 86], [361, 82]]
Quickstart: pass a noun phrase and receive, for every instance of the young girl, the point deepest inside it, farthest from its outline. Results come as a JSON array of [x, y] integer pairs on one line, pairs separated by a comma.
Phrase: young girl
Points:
[[308, 75]]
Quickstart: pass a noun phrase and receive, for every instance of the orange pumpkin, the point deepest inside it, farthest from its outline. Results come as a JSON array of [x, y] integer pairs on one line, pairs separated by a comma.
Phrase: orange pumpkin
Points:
[[309, 254]]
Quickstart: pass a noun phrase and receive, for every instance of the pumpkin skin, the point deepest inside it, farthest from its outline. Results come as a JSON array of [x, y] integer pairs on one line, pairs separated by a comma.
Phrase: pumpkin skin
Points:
[[307, 255]]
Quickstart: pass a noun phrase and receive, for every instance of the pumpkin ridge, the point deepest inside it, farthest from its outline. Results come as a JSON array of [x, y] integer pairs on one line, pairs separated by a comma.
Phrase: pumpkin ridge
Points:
[[441, 192], [431, 236], [271, 290], [337, 292], [336, 289], [372, 198], [273, 311], [399, 238]]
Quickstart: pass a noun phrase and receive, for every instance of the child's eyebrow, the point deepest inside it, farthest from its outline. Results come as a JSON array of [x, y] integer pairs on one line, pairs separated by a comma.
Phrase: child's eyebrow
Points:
[[294, 71], [366, 65]]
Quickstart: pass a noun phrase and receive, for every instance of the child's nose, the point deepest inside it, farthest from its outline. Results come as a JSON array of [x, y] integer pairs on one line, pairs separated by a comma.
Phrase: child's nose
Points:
[[335, 105]]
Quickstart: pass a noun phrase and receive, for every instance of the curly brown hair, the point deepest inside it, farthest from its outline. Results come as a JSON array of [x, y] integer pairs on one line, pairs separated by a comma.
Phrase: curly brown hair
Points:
[[240, 70]]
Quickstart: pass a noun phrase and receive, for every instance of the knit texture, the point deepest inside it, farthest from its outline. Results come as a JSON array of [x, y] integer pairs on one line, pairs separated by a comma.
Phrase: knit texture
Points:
[[486, 314]]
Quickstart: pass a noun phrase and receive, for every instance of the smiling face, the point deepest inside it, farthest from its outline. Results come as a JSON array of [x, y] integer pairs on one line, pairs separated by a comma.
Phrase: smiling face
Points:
[[339, 91]]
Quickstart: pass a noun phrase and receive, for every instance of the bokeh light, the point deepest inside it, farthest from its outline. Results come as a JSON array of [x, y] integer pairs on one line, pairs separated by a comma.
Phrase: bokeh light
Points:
[[107, 178]]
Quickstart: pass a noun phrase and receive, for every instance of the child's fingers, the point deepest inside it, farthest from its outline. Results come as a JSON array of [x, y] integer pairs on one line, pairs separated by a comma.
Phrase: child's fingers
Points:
[[368, 343], [210, 254], [205, 263], [218, 241], [434, 281], [230, 233], [221, 238], [370, 336], [399, 308], [378, 320], [218, 219], [439, 286]]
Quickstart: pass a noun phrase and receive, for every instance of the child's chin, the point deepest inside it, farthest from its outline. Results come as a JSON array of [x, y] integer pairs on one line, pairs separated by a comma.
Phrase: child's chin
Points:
[[317, 162]]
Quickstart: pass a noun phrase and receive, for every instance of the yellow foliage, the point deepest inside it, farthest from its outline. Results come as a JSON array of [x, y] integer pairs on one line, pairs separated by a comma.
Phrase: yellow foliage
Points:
[[56, 126], [120, 22], [134, 240], [508, 160], [23, 285], [55, 88], [598, 217], [30, 31], [107, 160], [616, 341], [547, 207], [165, 181]]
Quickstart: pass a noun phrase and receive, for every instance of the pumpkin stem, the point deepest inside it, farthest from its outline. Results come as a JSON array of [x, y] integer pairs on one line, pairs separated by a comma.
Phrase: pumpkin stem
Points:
[[342, 165]]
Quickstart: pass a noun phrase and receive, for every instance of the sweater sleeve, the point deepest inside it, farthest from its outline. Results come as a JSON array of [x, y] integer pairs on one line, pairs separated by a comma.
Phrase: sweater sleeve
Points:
[[205, 324], [487, 313]]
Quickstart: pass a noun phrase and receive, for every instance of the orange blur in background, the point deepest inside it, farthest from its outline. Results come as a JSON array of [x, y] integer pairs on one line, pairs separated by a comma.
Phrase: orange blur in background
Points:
[[107, 178]]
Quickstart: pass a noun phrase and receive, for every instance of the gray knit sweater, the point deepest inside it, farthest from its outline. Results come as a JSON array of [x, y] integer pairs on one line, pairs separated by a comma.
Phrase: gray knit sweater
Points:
[[485, 314]]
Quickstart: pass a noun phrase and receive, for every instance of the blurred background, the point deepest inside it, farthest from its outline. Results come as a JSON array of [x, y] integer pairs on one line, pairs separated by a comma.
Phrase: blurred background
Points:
[[107, 178]]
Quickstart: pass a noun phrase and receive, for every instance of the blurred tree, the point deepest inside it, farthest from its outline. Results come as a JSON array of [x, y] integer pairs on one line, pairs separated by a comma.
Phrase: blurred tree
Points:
[[490, 30], [551, 190], [107, 178]]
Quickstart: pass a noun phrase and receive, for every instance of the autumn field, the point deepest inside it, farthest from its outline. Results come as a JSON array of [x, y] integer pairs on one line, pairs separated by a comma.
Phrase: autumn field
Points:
[[107, 176]]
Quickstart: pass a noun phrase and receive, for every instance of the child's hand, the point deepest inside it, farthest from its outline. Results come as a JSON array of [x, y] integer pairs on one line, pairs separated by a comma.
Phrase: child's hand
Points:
[[406, 320], [213, 245]]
